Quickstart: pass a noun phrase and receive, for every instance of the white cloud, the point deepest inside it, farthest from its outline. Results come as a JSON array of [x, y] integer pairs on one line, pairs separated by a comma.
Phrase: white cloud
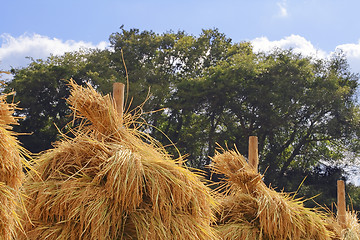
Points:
[[352, 51], [283, 8], [295, 42], [14, 50], [301, 45]]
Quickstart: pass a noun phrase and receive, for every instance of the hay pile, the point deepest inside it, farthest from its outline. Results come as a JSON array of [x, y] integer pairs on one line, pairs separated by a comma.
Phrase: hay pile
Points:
[[109, 182], [351, 230], [251, 210], [352, 227], [11, 174]]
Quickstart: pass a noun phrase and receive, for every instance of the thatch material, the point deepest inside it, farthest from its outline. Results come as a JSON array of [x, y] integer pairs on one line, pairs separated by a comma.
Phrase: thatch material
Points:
[[251, 210], [352, 227], [11, 174], [351, 230], [109, 182]]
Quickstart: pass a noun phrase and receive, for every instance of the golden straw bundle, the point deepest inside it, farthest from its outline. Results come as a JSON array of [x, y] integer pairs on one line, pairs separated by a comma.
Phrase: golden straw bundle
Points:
[[110, 182], [351, 231], [251, 210], [11, 174], [352, 227]]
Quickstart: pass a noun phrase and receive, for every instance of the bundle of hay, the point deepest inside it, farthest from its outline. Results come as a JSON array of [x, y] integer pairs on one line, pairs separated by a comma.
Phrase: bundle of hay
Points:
[[251, 210], [352, 227], [351, 230], [11, 174], [109, 182]]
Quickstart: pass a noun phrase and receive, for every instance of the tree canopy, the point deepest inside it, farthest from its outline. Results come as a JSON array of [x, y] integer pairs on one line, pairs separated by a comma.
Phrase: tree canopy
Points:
[[208, 91]]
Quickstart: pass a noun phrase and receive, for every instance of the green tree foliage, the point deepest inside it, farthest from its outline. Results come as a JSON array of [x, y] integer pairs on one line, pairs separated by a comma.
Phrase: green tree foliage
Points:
[[147, 60], [209, 90], [302, 111]]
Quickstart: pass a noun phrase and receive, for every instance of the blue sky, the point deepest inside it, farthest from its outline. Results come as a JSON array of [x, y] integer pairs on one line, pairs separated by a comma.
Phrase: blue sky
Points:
[[325, 23], [37, 28]]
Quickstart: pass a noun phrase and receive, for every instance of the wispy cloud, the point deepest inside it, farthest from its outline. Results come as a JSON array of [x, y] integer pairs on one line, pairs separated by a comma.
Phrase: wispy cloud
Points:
[[14, 50], [283, 8]]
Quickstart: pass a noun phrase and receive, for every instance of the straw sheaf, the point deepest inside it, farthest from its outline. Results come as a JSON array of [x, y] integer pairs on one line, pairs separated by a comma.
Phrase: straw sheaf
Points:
[[10, 159], [11, 174], [8, 217], [109, 183], [247, 199], [6, 112], [239, 231], [352, 227], [351, 230]]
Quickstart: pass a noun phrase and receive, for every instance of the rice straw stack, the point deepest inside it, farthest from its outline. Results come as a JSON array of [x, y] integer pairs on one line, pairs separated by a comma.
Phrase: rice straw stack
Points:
[[251, 210], [351, 230], [11, 174], [110, 181], [352, 227]]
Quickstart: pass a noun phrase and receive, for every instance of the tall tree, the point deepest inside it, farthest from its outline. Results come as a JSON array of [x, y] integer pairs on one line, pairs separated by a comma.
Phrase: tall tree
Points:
[[146, 59], [192, 114], [302, 110]]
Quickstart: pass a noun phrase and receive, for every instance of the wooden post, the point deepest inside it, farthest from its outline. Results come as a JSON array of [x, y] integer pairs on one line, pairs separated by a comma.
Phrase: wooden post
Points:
[[118, 95], [253, 155], [341, 204]]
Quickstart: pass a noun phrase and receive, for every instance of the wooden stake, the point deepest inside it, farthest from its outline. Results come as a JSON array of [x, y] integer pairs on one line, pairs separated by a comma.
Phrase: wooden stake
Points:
[[341, 205], [118, 95], [253, 152]]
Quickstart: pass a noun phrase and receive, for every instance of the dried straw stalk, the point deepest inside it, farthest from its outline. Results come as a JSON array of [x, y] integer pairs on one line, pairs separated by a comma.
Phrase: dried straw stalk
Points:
[[112, 182], [251, 210], [352, 227], [11, 174], [351, 231]]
